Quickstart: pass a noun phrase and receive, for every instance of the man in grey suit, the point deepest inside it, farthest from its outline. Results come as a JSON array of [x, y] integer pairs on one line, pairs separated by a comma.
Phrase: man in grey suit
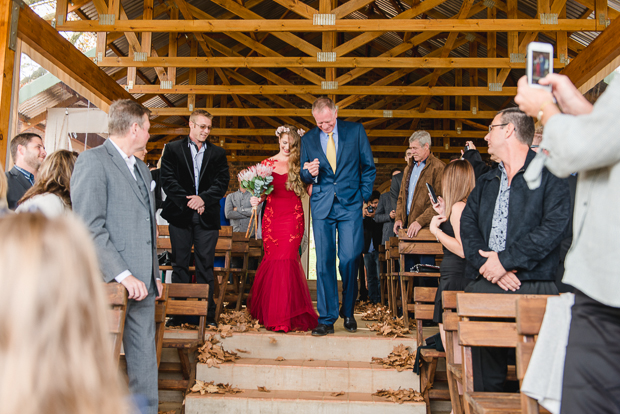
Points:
[[112, 191]]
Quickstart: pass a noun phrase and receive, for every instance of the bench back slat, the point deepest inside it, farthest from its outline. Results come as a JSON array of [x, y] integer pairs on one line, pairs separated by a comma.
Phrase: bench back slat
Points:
[[117, 294], [448, 299], [530, 313], [187, 307], [424, 294], [188, 290], [428, 248], [423, 312], [489, 334]]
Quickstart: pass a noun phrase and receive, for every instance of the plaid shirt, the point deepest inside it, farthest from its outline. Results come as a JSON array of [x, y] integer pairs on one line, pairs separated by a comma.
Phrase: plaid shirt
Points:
[[29, 176]]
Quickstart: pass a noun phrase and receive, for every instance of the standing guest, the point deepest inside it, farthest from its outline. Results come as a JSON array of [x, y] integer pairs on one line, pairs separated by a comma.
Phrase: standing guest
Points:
[[4, 206], [112, 192], [480, 166], [372, 239], [585, 140], [280, 298], [239, 211], [51, 194], [55, 354], [414, 209], [457, 182], [511, 235], [28, 154], [194, 176], [399, 175], [337, 161], [386, 210]]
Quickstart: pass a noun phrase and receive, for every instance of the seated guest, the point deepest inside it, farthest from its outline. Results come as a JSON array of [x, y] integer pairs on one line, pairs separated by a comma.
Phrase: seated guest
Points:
[[457, 182], [239, 211], [386, 210], [28, 154], [55, 354], [511, 235], [4, 206], [51, 192], [372, 239]]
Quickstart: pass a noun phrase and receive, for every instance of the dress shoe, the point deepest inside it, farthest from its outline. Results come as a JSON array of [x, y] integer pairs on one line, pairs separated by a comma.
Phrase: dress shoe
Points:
[[350, 324], [322, 330]]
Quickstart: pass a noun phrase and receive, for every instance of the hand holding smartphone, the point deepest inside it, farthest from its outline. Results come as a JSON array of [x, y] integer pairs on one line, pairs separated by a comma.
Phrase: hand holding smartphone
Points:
[[539, 63], [431, 191]]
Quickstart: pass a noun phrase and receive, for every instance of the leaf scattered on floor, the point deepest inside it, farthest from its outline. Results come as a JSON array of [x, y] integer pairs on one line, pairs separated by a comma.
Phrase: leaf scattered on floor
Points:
[[272, 340], [400, 395], [311, 359], [337, 394], [243, 351], [184, 326], [372, 312], [213, 354], [263, 389], [401, 358], [167, 412], [210, 388], [280, 358], [235, 321], [390, 327]]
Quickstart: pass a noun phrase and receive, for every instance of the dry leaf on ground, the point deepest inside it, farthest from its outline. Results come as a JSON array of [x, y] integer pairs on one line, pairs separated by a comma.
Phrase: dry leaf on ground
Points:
[[400, 358], [337, 394], [372, 312], [213, 354], [167, 412], [235, 321], [311, 359], [272, 340], [400, 395], [243, 351], [210, 388], [391, 327], [184, 326], [280, 358], [263, 389]]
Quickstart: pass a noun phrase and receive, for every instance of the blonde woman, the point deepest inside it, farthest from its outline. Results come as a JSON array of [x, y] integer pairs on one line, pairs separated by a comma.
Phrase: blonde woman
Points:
[[55, 351], [280, 299], [51, 192], [4, 188]]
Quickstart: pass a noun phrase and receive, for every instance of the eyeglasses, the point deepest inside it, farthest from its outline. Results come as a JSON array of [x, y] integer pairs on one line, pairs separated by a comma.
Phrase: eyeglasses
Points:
[[204, 126], [497, 125]]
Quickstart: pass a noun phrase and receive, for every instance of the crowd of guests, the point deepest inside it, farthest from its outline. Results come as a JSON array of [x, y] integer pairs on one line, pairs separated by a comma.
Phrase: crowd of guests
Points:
[[505, 228]]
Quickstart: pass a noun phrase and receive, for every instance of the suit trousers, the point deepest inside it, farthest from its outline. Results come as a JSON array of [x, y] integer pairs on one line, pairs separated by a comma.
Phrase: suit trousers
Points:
[[350, 245], [204, 242], [592, 366], [140, 352], [490, 365]]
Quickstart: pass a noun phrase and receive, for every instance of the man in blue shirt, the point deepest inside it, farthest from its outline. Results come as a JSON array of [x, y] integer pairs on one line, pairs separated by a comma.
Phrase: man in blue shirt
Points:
[[28, 154]]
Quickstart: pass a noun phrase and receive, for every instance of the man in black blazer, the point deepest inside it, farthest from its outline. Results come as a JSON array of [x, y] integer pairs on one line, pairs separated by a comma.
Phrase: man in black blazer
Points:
[[194, 176], [28, 154]]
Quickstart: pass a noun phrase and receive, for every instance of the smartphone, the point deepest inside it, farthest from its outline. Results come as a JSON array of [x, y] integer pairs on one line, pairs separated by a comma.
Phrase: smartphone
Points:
[[466, 147], [539, 63], [431, 190]]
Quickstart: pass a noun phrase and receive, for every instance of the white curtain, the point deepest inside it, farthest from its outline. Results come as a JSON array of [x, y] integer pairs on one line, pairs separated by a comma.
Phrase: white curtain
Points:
[[63, 121]]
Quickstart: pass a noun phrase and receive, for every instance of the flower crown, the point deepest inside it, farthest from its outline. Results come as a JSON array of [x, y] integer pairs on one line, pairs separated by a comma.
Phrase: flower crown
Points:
[[282, 129]]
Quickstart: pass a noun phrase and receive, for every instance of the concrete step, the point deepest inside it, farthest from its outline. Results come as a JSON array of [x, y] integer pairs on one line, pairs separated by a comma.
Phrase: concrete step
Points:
[[304, 375], [342, 346], [251, 401]]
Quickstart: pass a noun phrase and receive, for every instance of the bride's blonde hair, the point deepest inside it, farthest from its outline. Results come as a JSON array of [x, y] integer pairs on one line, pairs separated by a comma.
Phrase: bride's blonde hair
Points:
[[293, 181], [55, 348]]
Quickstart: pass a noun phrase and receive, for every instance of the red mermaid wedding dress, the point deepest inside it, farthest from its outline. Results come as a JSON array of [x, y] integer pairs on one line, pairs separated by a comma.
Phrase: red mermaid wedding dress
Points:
[[280, 298]]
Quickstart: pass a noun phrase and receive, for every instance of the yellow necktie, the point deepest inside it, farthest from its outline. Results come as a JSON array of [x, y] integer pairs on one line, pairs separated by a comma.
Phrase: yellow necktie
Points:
[[331, 151]]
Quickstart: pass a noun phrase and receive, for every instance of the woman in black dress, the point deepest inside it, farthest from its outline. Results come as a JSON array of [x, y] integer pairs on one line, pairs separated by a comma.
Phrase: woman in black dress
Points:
[[458, 181]]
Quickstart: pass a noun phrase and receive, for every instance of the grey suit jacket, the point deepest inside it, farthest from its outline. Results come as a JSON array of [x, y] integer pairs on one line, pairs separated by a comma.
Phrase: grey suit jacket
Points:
[[590, 145], [106, 196]]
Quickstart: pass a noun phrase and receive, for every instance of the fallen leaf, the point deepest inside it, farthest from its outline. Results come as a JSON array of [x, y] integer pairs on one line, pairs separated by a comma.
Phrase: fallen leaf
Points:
[[263, 389], [391, 327], [337, 394], [401, 358], [211, 388], [243, 351], [272, 340], [311, 359], [235, 321], [213, 354], [401, 395], [280, 358]]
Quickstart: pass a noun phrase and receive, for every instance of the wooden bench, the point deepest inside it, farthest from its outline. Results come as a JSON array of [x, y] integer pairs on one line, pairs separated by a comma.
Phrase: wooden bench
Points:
[[229, 246], [424, 308], [383, 273], [488, 333], [185, 299], [117, 299], [423, 244], [160, 321], [391, 255], [454, 369]]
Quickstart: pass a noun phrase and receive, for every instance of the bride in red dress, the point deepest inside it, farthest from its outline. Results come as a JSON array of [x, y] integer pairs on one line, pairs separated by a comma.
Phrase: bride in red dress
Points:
[[280, 298]]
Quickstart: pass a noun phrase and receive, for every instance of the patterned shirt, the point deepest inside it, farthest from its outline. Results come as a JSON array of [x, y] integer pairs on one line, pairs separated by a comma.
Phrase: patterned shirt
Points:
[[197, 156], [29, 176], [497, 238]]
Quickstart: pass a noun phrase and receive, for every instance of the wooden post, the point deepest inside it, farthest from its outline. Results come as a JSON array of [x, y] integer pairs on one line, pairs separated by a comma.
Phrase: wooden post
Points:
[[473, 76], [491, 47], [61, 11], [191, 98], [172, 49], [7, 62]]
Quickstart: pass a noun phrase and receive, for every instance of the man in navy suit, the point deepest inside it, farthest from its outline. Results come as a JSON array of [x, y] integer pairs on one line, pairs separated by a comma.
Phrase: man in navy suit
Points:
[[337, 161]]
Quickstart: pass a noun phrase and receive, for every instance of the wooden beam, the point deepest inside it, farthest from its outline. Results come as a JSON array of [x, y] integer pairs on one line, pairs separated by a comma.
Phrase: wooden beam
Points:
[[602, 51], [313, 89], [349, 7], [298, 7], [347, 26], [7, 62], [41, 37], [36, 120], [344, 113]]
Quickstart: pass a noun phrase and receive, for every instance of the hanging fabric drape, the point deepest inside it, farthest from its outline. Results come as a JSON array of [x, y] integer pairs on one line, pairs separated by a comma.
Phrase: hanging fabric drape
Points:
[[63, 121]]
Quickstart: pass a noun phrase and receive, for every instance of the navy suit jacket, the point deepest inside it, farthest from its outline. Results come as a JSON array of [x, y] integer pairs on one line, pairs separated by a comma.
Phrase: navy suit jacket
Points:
[[355, 169]]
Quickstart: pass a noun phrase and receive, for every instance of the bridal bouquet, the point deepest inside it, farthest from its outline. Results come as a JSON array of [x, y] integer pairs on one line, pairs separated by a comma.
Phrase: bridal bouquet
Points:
[[257, 180]]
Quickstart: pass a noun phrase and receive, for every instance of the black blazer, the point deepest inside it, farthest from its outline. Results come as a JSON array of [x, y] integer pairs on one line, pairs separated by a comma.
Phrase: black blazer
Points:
[[177, 180], [18, 185]]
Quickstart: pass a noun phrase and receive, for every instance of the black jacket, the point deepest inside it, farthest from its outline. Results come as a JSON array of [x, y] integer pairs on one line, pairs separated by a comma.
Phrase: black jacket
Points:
[[537, 224], [156, 174], [374, 231], [480, 167], [18, 185], [177, 181]]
